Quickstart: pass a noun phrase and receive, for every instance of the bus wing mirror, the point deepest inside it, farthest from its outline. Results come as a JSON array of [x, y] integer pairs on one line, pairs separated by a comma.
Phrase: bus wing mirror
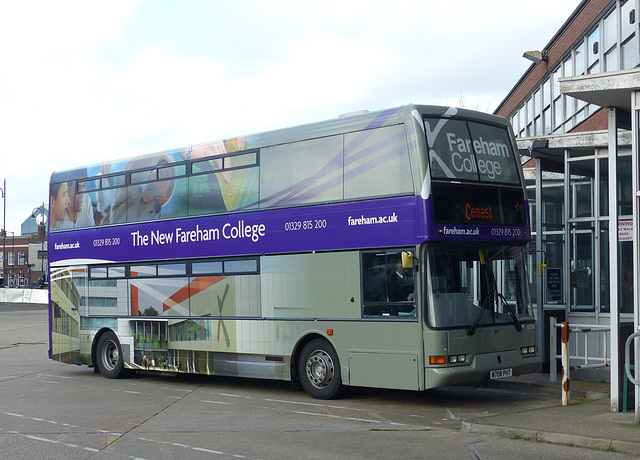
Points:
[[407, 259]]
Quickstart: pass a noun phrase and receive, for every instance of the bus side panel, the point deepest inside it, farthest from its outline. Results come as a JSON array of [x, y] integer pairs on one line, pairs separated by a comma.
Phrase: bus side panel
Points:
[[384, 370], [301, 285], [293, 288], [382, 353], [387, 356], [220, 346], [322, 285], [247, 324]]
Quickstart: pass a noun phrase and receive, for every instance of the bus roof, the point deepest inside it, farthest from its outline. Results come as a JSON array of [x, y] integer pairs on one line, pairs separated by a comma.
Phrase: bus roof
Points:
[[344, 123]]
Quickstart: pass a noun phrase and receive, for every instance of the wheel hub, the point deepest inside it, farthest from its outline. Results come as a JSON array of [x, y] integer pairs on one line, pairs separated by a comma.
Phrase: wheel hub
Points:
[[320, 370], [111, 355]]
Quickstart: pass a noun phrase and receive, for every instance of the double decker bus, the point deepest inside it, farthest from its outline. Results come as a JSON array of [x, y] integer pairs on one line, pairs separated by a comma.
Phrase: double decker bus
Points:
[[383, 249]]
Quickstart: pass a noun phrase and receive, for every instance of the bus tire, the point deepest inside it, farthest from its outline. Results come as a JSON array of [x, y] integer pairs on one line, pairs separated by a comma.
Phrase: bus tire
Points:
[[109, 356], [319, 370]]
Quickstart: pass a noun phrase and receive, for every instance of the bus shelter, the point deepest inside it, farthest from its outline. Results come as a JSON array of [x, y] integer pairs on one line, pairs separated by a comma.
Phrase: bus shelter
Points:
[[602, 227]]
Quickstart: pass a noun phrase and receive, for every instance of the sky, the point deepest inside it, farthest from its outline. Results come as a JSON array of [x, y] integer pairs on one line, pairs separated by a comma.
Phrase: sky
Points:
[[84, 82]]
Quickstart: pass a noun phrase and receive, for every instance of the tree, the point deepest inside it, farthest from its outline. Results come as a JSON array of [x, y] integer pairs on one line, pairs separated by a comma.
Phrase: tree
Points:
[[150, 311], [478, 104]]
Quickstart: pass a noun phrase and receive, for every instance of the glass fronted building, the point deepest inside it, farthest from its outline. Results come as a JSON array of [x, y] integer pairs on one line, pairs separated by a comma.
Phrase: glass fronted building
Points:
[[574, 113]]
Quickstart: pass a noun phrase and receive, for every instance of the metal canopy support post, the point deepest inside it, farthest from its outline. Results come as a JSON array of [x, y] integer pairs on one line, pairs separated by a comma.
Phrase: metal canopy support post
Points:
[[613, 260], [540, 260]]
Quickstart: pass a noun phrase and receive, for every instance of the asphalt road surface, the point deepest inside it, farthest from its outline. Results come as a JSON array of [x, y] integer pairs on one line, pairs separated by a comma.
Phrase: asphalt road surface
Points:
[[50, 410]]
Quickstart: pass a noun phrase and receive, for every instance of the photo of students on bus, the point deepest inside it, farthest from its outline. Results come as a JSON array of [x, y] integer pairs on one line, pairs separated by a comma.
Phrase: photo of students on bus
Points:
[[221, 180], [58, 202], [79, 211], [149, 192], [206, 189]]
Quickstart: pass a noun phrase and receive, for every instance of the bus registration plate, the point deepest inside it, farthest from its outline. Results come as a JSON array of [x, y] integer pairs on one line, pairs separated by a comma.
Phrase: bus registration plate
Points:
[[500, 374]]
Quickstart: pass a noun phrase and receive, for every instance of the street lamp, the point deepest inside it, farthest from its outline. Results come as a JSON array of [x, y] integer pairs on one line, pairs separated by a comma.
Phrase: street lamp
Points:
[[536, 56], [40, 219]]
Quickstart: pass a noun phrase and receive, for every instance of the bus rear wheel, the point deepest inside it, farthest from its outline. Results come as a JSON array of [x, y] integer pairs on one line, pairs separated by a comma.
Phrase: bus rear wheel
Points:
[[109, 356], [319, 370]]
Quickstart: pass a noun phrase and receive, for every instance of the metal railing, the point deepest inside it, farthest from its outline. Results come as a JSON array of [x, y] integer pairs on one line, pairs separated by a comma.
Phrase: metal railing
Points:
[[627, 369], [586, 361], [627, 358]]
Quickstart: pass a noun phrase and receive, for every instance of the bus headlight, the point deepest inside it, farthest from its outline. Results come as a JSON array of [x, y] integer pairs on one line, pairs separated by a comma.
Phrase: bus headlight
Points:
[[528, 350], [452, 359]]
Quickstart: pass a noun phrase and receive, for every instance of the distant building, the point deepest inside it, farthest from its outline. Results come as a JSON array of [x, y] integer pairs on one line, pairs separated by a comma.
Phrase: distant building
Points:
[[16, 264], [26, 254], [30, 225]]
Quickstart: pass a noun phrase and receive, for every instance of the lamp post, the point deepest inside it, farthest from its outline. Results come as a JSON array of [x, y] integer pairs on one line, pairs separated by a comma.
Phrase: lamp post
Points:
[[42, 233]]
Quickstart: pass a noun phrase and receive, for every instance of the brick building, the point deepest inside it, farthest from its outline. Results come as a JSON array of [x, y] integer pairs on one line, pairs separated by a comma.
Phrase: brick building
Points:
[[26, 261], [15, 266]]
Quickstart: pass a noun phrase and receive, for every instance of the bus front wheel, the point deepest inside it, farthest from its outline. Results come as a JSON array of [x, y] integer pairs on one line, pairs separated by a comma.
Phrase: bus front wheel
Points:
[[109, 355], [319, 370]]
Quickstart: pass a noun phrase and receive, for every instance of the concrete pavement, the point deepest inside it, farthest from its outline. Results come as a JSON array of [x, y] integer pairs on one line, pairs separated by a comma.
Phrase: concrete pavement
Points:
[[586, 422]]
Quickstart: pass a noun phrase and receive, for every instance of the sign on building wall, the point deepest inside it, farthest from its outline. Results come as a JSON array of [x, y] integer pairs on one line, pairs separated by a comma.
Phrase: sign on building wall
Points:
[[625, 230], [554, 284]]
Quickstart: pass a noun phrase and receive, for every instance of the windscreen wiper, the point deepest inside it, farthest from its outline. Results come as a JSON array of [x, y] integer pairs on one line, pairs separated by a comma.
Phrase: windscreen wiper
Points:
[[490, 291], [474, 327], [506, 305]]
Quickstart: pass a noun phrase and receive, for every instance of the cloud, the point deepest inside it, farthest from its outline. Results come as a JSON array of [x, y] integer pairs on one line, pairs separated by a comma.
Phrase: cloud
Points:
[[83, 82], [42, 28], [48, 76]]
